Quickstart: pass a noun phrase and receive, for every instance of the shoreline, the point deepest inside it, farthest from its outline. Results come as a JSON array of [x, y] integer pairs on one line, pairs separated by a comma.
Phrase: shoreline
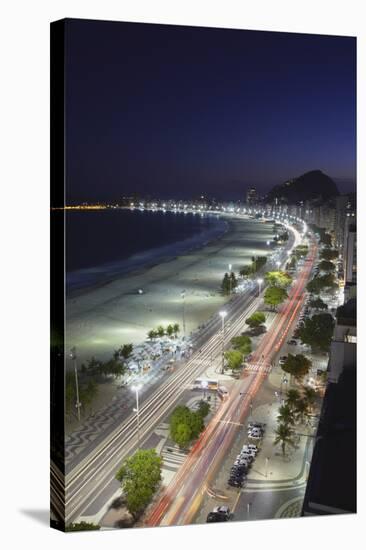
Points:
[[102, 319], [197, 242]]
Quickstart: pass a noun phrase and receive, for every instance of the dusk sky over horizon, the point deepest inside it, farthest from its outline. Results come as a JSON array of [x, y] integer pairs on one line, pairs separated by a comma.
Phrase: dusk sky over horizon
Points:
[[179, 111]]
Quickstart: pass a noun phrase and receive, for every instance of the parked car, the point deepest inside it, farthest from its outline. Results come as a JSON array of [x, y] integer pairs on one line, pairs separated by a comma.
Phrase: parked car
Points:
[[252, 447], [235, 483], [225, 510], [292, 342], [256, 425], [240, 472], [215, 518], [255, 435], [247, 456], [242, 462], [248, 452]]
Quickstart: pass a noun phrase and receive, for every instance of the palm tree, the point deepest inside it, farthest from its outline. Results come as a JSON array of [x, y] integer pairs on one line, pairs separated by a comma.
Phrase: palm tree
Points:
[[284, 435], [152, 334], [301, 410], [176, 328], [169, 330], [309, 396], [286, 415], [160, 330], [293, 397]]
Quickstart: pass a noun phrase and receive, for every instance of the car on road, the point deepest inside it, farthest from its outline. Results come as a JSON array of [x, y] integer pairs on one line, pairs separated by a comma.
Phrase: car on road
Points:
[[224, 510], [215, 518]]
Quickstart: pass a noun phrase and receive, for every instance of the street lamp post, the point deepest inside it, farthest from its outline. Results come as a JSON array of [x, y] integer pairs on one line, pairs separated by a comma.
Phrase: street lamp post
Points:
[[183, 295], [223, 315], [259, 281], [283, 381], [248, 510], [78, 404], [278, 263], [266, 467], [136, 389]]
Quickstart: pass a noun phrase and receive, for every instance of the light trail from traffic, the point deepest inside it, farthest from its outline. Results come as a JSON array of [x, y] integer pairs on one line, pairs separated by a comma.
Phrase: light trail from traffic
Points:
[[181, 500], [90, 477]]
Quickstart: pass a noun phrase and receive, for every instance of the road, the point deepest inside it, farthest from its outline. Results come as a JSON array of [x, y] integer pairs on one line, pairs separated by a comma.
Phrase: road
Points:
[[181, 500], [96, 470]]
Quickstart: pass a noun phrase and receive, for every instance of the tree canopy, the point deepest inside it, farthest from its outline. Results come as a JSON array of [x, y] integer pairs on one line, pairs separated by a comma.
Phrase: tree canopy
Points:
[[325, 265], [297, 365], [242, 344], [229, 282], [278, 278], [256, 264], [256, 319], [300, 251], [82, 526], [234, 359], [317, 284], [318, 303], [285, 415], [317, 331], [139, 476], [329, 254], [274, 296], [326, 238], [284, 435], [191, 420]]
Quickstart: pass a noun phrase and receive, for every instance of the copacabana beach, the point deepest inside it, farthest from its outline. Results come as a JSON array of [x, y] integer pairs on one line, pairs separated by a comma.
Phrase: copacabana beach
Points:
[[104, 317]]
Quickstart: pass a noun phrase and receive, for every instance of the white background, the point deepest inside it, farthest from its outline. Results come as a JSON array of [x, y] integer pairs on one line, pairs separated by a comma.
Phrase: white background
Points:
[[24, 306]]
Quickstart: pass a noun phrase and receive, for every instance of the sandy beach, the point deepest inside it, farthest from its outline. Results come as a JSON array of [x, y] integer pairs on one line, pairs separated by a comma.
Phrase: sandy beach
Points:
[[102, 319]]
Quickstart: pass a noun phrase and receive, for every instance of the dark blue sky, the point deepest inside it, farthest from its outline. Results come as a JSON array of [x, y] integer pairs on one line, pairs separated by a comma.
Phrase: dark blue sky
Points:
[[177, 111]]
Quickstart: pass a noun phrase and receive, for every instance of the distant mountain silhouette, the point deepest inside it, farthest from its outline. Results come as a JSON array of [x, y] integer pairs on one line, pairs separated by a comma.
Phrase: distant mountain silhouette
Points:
[[311, 185]]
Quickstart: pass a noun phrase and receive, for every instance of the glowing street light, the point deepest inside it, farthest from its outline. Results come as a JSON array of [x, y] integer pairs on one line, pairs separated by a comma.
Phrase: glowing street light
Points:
[[136, 389], [278, 263]]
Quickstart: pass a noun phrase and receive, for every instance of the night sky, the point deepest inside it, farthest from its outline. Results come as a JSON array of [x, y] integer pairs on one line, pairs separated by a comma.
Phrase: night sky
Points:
[[180, 111]]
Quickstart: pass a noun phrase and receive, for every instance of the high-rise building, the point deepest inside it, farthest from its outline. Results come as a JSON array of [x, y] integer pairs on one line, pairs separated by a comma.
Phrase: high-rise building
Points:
[[350, 259], [345, 208], [252, 197], [337, 427]]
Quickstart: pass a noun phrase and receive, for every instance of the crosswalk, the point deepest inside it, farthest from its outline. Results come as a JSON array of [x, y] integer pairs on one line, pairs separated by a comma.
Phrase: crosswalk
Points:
[[173, 457], [258, 367]]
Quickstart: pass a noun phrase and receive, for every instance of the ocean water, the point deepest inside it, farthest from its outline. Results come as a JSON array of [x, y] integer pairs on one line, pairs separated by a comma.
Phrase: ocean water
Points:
[[103, 244]]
